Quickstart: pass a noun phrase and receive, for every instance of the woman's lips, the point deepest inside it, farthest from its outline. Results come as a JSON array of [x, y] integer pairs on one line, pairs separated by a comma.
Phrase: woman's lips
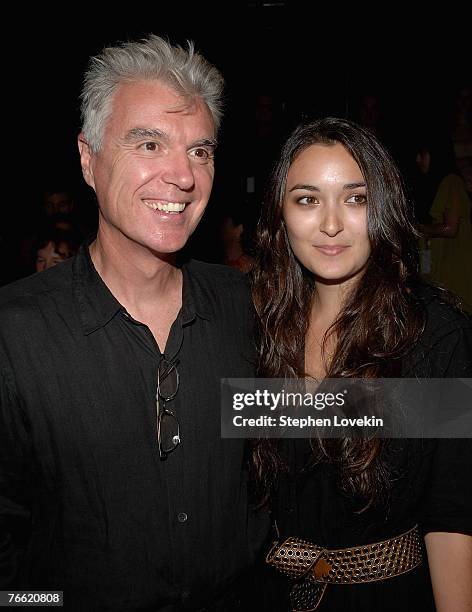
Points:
[[331, 250]]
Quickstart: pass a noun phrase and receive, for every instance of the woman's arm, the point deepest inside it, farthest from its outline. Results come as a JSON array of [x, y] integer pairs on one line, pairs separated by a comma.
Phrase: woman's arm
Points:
[[447, 229], [450, 564]]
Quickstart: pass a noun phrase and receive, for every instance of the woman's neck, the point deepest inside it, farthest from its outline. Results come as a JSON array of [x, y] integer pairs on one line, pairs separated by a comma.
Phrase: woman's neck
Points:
[[327, 303]]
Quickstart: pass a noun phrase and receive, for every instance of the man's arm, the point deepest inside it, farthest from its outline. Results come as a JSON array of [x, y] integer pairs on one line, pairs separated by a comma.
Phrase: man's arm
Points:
[[15, 516]]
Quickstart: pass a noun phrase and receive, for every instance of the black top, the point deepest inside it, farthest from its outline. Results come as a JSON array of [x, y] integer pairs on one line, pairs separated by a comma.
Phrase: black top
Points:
[[86, 505], [431, 486]]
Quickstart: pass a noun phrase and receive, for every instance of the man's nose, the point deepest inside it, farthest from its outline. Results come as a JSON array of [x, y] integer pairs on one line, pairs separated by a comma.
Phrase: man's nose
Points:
[[179, 171]]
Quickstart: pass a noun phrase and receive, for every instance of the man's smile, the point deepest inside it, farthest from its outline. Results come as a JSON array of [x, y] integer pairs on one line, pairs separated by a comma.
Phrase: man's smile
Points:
[[169, 207]]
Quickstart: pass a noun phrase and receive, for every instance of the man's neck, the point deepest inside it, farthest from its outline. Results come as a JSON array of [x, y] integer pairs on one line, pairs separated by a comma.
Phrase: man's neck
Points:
[[136, 276]]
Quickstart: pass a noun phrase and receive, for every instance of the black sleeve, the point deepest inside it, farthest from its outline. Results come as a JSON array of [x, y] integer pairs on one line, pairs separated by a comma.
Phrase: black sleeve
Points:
[[448, 504], [15, 515], [453, 357]]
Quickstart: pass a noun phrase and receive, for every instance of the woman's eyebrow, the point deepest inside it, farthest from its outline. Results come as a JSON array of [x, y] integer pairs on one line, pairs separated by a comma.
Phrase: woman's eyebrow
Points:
[[306, 187], [354, 185]]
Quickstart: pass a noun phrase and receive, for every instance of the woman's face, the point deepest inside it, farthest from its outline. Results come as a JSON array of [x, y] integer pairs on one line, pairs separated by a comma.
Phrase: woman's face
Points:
[[50, 255], [423, 160], [325, 213]]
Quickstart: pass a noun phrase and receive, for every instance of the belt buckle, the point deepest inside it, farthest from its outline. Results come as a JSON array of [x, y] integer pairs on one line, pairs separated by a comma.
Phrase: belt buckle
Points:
[[321, 568]]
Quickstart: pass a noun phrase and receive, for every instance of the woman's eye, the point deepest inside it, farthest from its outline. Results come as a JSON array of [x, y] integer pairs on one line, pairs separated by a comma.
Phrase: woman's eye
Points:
[[307, 200], [357, 199]]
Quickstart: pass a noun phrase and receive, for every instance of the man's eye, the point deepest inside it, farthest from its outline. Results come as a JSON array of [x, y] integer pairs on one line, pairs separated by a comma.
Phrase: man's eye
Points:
[[201, 153], [357, 199], [150, 146]]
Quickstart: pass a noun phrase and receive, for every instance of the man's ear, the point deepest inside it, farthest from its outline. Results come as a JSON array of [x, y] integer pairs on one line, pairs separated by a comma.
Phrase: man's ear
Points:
[[85, 160]]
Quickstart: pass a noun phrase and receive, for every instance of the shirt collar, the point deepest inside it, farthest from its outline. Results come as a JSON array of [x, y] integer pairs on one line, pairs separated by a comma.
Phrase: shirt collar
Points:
[[195, 300], [98, 306]]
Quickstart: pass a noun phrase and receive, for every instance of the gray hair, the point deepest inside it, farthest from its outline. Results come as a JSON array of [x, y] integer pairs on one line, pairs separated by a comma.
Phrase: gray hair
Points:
[[153, 58]]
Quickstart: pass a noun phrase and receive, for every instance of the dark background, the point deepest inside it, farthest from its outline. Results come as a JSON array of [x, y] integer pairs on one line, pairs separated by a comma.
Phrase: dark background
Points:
[[282, 61]]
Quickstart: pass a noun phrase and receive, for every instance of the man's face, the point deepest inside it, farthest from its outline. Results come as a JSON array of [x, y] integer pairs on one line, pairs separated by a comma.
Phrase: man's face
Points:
[[57, 202], [154, 172]]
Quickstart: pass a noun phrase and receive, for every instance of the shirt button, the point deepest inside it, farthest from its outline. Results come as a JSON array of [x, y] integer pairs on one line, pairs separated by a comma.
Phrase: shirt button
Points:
[[182, 517]]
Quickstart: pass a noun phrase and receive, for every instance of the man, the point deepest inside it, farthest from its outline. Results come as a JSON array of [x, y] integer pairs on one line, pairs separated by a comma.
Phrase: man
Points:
[[116, 485], [57, 203]]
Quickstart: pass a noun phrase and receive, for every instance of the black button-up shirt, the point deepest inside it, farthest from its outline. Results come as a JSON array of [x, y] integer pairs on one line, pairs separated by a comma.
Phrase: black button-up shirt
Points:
[[86, 505]]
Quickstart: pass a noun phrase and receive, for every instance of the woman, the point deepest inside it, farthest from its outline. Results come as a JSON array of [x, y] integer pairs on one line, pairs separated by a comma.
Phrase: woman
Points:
[[236, 232], [337, 295], [449, 232], [54, 246]]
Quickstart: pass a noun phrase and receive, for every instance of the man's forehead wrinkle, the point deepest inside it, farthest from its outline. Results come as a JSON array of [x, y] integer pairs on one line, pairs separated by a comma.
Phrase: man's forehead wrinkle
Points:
[[184, 107]]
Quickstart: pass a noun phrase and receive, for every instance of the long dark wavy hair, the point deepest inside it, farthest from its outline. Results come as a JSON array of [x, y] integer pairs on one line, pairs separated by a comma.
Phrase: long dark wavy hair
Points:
[[380, 319]]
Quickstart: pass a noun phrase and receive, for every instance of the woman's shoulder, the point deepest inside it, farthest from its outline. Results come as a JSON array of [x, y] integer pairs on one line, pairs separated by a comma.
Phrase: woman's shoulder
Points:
[[453, 186], [444, 348], [453, 180], [441, 310]]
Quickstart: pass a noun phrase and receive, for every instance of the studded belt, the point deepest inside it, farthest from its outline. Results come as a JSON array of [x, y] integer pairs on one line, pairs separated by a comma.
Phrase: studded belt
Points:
[[313, 567]]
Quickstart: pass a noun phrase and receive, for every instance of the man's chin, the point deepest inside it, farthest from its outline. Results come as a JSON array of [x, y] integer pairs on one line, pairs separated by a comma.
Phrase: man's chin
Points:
[[168, 250]]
